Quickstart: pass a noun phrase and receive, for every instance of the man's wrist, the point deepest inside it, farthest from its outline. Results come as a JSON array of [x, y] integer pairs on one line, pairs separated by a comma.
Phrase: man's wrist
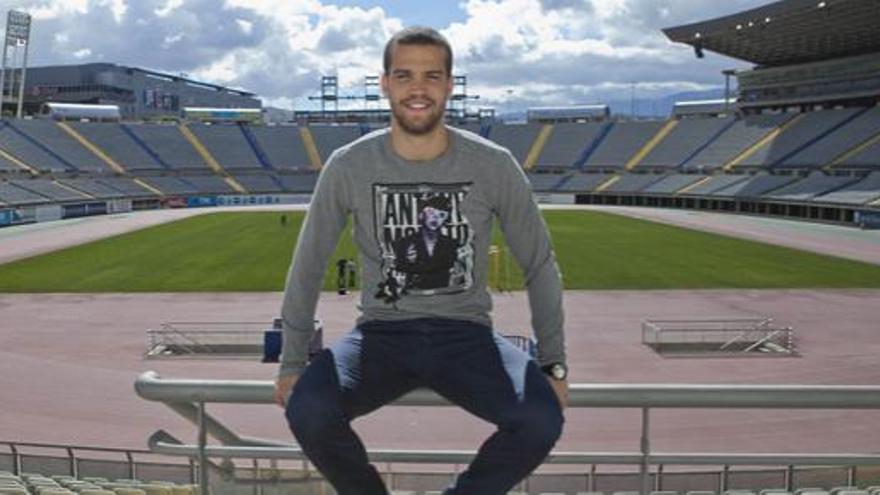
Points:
[[557, 371]]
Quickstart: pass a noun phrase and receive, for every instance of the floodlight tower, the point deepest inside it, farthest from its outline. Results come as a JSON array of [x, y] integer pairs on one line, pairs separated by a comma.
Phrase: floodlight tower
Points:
[[459, 100], [372, 91], [18, 32]]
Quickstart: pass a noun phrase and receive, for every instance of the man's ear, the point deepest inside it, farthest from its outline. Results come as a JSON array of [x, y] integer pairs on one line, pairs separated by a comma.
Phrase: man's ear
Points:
[[383, 84]]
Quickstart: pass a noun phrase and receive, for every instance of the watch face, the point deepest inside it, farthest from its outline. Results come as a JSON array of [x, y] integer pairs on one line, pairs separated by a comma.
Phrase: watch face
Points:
[[558, 372]]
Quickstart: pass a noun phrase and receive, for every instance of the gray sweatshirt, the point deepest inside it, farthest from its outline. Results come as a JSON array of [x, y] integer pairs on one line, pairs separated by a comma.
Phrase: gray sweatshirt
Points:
[[423, 231]]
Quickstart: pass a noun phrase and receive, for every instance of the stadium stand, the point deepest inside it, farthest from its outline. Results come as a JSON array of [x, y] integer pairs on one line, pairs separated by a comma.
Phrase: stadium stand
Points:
[[739, 137], [756, 185], [328, 138], [40, 484], [209, 184], [171, 185], [859, 193], [50, 135], [50, 189], [836, 144], [93, 188], [623, 141], [283, 146], [299, 183], [168, 144], [9, 166], [568, 144], [714, 183], [810, 127], [582, 182], [866, 158], [684, 141], [13, 195], [118, 145], [815, 184], [474, 128], [126, 186], [672, 183], [545, 182], [24, 148], [633, 182], [228, 145], [518, 138], [259, 183]]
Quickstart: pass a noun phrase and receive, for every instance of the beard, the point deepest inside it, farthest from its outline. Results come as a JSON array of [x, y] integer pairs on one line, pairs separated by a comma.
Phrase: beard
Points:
[[418, 128]]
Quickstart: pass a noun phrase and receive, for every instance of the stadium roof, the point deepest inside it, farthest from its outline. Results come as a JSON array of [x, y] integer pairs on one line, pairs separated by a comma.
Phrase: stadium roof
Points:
[[788, 32]]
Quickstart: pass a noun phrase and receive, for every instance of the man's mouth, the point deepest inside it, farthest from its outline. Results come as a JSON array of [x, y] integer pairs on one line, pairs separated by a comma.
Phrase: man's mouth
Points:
[[417, 105]]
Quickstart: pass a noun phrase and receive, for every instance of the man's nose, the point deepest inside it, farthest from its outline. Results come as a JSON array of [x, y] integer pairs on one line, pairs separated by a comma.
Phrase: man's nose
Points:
[[418, 85]]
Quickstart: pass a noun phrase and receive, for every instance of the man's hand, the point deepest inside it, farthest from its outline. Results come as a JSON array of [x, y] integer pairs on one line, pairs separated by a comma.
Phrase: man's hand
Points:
[[561, 389], [283, 386]]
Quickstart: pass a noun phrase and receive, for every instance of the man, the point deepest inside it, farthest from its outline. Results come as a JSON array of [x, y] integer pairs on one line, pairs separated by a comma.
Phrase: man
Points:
[[411, 337], [426, 257]]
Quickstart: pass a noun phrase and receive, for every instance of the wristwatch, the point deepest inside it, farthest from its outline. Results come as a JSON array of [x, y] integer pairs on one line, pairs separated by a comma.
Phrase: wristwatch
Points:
[[556, 371]]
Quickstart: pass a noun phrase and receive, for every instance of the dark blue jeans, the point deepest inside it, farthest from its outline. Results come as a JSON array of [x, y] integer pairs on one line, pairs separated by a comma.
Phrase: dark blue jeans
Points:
[[467, 363]]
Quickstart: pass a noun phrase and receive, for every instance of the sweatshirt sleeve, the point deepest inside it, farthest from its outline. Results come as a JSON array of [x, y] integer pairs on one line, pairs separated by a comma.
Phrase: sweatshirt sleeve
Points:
[[317, 240], [528, 239]]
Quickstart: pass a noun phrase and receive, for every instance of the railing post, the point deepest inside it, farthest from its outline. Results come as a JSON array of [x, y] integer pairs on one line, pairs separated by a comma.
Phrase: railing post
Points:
[[724, 479], [16, 460], [193, 475], [203, 457], [644, 472], [258, 487], [72, 462], [591, 485], [132, 469], [658, 481], [851, 476], [789, 478]]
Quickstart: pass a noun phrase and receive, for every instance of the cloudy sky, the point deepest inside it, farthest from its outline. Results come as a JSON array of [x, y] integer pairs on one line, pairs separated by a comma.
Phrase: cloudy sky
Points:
[[516, 53]]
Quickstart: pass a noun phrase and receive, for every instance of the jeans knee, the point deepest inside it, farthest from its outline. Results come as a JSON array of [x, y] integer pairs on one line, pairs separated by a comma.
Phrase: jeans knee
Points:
[[540, 427], [310, 417]]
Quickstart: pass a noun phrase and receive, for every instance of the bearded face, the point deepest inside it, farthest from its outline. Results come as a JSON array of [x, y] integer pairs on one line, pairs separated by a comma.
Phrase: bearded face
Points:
[[418, 87]]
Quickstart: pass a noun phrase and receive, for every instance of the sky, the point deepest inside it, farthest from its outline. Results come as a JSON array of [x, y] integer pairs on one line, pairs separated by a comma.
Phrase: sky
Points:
[[515, 53]]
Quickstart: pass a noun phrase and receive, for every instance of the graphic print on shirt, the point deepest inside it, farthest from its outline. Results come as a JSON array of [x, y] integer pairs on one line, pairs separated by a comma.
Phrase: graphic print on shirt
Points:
[[425, 239]]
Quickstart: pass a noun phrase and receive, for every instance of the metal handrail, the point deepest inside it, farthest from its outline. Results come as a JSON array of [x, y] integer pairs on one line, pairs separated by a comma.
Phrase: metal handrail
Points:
[[151, 386], [190, 392]]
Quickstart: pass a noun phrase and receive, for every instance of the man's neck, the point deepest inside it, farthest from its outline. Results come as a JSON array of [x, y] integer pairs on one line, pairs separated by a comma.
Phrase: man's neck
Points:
[[419, 147]]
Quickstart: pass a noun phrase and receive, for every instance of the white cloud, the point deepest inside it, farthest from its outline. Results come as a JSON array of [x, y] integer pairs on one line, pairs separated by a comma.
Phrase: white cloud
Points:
[[168, 8], [246, 26], [515, 52]]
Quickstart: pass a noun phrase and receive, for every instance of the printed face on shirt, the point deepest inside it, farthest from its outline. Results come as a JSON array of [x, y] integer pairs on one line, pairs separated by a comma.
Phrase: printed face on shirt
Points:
[[418, 87], [433, 218]]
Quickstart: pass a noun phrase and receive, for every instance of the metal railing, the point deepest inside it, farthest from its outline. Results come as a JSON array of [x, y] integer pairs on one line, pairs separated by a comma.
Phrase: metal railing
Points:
[[206, 339], [718, 336], [76, 454], [189, 398]]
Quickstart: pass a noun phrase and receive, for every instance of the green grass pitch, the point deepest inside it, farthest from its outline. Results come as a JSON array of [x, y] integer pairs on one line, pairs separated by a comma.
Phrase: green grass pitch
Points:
[[252, 251]]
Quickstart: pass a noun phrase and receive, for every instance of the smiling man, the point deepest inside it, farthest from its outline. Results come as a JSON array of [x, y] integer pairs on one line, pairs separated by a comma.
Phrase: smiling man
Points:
[[423, 198]]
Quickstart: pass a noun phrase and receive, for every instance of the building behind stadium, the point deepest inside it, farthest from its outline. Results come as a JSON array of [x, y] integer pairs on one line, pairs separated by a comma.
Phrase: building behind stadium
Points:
[[140, 94]]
